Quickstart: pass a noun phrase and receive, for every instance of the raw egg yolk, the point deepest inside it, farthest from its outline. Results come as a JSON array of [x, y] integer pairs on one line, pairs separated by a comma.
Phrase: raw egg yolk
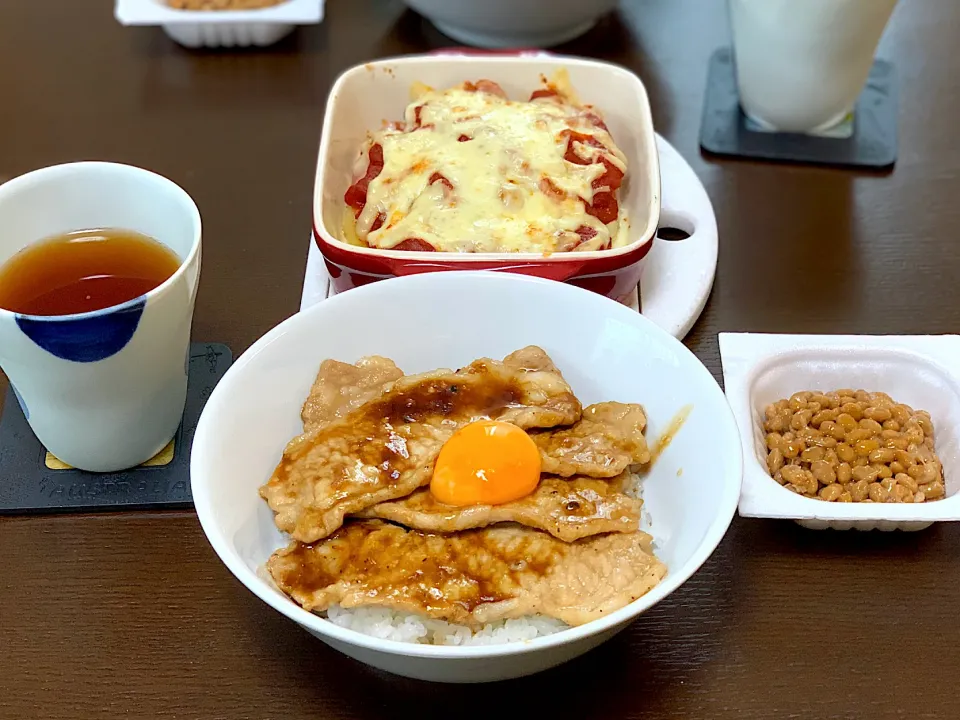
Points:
[[486, 463]]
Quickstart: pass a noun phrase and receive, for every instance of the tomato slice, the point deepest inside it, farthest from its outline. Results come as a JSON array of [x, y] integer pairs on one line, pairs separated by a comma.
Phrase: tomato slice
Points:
[[612, 178], [356, 194], [586, 233], [548, 188], [573, 136], [595, 119], [437, 177], [544, 93], [487, 86], [416, 244], [604, 207]]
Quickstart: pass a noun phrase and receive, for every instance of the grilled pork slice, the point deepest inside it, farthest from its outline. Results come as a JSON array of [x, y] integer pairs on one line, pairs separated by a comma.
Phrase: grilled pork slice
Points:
[[471, 578], [607, 440], [341, 388], [567, 509]]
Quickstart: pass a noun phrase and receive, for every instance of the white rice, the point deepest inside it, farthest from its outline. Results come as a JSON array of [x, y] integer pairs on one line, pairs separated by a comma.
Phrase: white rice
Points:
[[409, 627]]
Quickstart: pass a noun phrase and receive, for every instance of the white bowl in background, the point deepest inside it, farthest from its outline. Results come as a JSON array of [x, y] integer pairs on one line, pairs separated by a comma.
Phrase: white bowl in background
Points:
[[606, 351], [513, 23]]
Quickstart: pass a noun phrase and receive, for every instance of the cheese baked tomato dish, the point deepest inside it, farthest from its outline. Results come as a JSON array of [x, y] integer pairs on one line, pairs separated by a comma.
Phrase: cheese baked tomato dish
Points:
[[469, 170]]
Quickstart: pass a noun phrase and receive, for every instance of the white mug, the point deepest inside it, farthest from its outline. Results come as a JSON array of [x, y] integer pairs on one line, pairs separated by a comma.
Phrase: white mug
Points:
[[102, 390], [801, 64]]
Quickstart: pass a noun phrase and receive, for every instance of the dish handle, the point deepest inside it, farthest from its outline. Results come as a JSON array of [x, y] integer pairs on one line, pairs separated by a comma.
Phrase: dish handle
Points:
[[678, 273]]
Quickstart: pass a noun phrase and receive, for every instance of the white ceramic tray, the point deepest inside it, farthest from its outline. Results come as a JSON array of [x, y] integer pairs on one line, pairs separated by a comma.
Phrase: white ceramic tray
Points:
[[921, 371], [677, 275], [221, 28]]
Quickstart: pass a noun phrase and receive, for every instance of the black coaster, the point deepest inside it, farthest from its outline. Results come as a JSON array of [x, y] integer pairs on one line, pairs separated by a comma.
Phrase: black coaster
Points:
[[33, 481], [725, 130]]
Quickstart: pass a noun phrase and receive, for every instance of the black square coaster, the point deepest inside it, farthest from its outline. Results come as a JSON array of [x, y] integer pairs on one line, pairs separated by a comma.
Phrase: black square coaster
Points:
[[34, 481], [726, 131]]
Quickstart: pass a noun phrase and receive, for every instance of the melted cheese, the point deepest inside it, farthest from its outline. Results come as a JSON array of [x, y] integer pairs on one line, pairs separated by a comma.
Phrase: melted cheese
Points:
[[497, 202]]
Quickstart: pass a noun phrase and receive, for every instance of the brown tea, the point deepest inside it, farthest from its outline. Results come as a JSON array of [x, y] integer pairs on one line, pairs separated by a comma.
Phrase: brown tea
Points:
[[82, 271]]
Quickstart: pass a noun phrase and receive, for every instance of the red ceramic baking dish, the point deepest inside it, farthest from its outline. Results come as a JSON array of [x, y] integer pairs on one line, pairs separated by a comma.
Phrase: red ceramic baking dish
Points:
[[367, 95]]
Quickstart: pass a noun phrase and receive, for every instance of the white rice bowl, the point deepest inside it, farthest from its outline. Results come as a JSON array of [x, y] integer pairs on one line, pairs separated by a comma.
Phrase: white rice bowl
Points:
[[606, 351]]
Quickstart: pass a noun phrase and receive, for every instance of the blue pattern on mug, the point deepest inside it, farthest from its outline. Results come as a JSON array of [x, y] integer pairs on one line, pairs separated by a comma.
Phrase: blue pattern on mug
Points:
[[85, 339], [19, 397]]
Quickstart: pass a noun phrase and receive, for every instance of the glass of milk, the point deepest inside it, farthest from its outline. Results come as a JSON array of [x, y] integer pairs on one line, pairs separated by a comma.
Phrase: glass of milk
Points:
[[801, 64]]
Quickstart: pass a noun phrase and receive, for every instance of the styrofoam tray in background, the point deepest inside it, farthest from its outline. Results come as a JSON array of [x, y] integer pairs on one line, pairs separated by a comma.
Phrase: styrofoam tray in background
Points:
[[221, 28], [921, 371], [677, 275]]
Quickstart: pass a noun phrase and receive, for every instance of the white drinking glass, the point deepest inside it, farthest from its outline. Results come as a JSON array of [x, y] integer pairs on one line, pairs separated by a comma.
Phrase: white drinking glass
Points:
[[801, 64], [102, 390]]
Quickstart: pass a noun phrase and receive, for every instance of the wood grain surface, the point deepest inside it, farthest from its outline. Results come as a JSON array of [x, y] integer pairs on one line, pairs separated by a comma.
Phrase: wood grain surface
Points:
[[134, 616]]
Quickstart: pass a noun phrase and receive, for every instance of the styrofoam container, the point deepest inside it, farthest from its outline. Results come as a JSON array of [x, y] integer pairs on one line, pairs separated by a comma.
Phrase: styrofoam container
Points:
[[921, 371], [366, 95], [221, 28], [447, 320]]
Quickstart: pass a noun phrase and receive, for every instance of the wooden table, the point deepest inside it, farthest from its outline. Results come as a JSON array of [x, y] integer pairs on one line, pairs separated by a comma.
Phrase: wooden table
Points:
[[134, 616]]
